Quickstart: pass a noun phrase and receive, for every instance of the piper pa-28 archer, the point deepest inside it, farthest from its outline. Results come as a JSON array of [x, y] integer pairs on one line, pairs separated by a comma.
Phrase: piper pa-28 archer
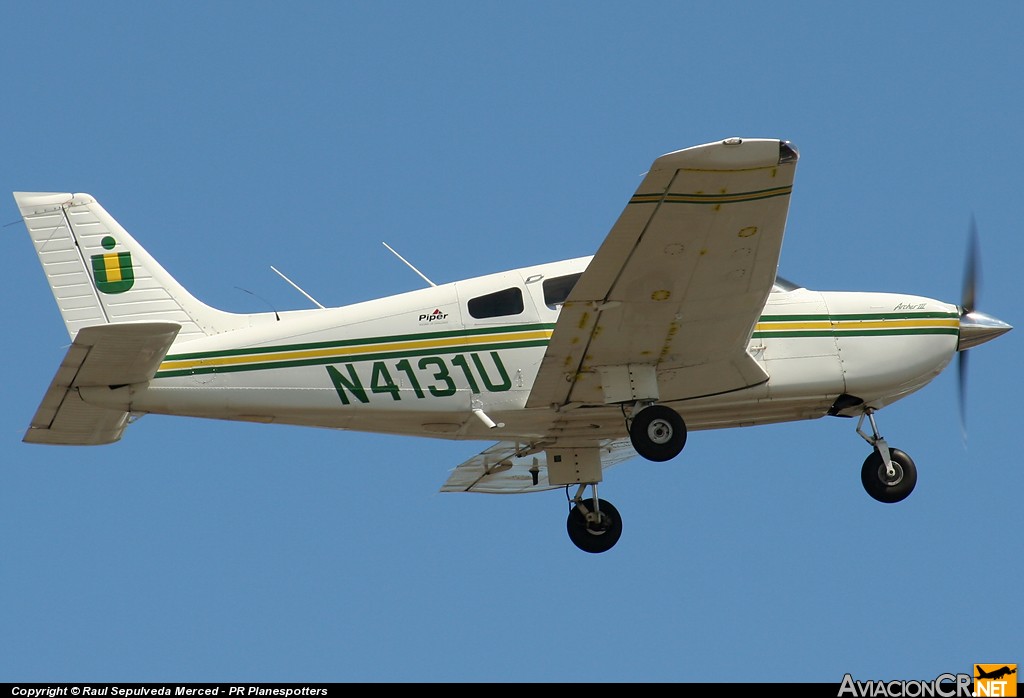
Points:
[[677, 323]]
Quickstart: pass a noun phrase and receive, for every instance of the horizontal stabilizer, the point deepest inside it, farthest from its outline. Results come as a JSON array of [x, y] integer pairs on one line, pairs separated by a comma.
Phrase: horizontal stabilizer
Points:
[[100, 356]]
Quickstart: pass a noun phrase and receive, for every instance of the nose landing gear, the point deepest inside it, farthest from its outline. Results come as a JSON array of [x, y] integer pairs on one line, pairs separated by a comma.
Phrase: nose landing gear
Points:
[[888, 474]]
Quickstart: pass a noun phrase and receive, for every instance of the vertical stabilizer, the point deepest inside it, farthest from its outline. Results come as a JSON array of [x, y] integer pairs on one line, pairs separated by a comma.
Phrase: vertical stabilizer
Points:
[[100, 275]]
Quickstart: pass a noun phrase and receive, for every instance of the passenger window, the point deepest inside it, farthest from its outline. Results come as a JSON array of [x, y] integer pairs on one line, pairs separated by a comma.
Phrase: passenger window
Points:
[[507, 302], [556, 290]]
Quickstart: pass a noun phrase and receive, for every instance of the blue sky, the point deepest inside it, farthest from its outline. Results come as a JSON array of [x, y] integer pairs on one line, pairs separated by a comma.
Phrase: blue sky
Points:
[[476, 137]]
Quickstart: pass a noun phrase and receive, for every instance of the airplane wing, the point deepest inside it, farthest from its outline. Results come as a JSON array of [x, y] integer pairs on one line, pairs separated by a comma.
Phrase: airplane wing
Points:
[[500, 470], [679, 282], [101, 356]]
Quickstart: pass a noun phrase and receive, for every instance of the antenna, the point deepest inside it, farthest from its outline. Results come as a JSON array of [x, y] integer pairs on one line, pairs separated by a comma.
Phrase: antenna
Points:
[[256, 295], [296, 287], [409, 265]]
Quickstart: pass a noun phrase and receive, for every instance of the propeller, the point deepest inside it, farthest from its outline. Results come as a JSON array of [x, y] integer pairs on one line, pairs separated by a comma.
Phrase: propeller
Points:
[[968, 298], [975, 327]]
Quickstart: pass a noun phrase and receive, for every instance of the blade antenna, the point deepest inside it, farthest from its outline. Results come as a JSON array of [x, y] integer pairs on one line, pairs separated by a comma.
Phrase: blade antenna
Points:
[[296, 287], [408, 265]]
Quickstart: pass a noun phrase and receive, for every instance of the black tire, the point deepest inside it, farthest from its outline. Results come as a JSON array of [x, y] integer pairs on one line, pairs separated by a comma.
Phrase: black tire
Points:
[[596, 537], [872, 475], [658, 433]]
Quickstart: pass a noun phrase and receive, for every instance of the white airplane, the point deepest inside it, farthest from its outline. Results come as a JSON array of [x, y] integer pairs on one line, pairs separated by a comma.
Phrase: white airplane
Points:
[[678, 323]]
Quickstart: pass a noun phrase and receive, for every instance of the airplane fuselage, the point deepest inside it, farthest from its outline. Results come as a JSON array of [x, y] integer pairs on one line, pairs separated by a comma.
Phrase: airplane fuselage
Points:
[[420, 363]]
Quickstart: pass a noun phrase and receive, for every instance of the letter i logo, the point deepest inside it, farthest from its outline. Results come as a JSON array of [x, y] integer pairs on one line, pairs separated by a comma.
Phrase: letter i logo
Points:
[[112, 271]]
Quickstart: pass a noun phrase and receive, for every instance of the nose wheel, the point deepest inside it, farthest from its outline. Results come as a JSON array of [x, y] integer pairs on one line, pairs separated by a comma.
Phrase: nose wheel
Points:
[[885, 486], [888, 474]]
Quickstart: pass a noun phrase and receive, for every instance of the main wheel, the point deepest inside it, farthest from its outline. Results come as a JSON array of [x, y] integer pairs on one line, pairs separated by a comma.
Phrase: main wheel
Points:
[[594, 536], [658, 433], [883, 488]]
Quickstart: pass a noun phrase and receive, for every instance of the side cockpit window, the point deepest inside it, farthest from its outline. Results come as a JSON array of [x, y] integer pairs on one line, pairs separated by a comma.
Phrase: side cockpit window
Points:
[[507, 302], [557, 289]]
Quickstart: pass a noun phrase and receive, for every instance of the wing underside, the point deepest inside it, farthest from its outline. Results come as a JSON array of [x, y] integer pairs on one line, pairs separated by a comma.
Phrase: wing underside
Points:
[[509, 468], [671, 297], [664, 312]]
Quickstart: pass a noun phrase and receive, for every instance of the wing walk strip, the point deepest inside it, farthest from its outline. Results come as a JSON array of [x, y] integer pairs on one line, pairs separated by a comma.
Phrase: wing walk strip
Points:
[[370, 349], [377, 348]]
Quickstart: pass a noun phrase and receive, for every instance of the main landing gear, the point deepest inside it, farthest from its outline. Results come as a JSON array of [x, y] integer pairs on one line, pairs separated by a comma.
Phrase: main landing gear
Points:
[[657, 433], [594, 525], [888, 474]]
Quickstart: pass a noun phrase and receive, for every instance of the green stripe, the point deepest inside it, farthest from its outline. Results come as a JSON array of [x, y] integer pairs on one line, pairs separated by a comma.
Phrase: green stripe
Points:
[[738, 197], [862, 316], [378, 356], [793, 318], [780, 334], [358, 342], [727, 199], [483, 332]]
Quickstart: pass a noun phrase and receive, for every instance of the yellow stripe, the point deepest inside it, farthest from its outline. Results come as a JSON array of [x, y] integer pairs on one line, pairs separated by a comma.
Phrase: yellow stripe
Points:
[[895, 324], [353, 351], [112, 265], [858, 324]]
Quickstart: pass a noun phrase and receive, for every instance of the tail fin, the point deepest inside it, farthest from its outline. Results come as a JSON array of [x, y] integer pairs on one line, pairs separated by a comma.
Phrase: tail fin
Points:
[[100, 275]]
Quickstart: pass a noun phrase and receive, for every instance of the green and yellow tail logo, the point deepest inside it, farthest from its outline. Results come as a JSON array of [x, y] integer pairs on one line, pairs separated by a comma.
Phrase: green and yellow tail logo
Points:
[[112, 271]]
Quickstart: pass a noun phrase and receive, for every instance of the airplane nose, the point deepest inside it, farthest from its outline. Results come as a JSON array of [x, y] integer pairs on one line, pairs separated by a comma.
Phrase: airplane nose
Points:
[[977, 328]]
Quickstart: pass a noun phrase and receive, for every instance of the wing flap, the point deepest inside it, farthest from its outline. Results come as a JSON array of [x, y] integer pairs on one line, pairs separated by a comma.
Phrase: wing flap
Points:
[[500, 470], [99, 356]]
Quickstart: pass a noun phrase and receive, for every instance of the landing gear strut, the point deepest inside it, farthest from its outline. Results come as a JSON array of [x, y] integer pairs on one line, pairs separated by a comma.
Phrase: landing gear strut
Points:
[[594, 525], [657, 433], [888, 474]]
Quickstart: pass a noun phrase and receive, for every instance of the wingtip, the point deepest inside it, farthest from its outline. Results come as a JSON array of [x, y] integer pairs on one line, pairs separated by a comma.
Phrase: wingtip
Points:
[[788, 152], [38, 201], [731, 153]]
